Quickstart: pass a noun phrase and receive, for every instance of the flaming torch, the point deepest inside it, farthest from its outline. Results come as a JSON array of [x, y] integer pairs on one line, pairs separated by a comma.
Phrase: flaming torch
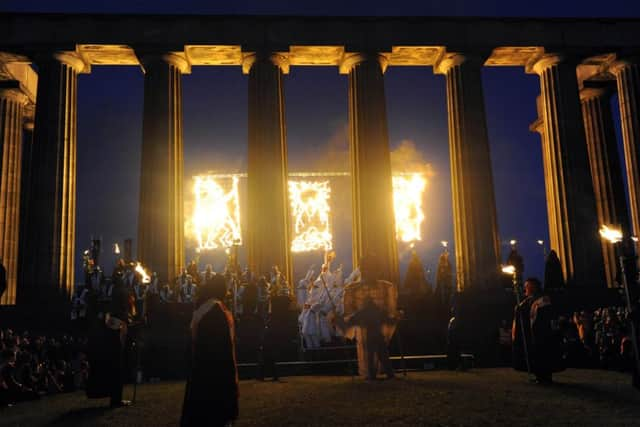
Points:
[[140, 270]]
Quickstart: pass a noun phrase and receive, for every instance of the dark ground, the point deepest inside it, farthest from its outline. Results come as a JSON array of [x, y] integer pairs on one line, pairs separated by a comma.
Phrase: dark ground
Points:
[[473, 398]]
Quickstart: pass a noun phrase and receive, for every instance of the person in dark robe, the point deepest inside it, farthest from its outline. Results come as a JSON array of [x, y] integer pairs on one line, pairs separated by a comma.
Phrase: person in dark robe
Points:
[[211, 394], [535, 345], [275, 334], [106, 348]]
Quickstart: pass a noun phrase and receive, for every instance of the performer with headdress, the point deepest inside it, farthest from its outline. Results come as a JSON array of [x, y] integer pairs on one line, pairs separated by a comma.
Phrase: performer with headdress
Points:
[[211, 394], [314, 325], [303, 287], [370, 317]]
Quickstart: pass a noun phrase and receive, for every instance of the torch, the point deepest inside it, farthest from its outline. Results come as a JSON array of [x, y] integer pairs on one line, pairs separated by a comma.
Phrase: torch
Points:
[[615, 237]]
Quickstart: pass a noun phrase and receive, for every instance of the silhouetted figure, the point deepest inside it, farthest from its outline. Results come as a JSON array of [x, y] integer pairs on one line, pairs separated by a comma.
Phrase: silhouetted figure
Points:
[[370, 316], [444, 279], [275, 335], [107, 336], [415, 281], [211, 395], [532, 334], [516, 260], [553, 278]]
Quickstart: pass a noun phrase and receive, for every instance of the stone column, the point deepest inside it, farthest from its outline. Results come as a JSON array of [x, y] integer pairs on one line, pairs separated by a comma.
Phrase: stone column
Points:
[[25, 189], [48, 267], [627, 74], [577, 241], [12, 102], [553, 214], [268, 242], [606, 171], [477, 248], [160, 218], [373, 216]]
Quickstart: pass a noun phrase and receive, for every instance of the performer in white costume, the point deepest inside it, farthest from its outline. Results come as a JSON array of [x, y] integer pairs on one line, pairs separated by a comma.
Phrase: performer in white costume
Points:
[[315, 327], [303, 288]]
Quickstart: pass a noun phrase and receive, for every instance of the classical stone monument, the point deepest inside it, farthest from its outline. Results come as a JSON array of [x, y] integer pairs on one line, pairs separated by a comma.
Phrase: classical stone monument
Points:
[[579, 62]]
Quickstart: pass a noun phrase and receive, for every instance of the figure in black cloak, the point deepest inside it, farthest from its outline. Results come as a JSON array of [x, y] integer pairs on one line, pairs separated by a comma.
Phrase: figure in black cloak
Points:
[[276, 330], [211, 395], [108, 332], [444, 279], [415, 282], [515, 259], [553, 278], [535, 346]]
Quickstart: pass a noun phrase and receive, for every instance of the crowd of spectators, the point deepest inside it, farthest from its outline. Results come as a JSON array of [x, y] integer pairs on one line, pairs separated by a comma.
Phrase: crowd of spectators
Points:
[[34, 366], [598, 339]]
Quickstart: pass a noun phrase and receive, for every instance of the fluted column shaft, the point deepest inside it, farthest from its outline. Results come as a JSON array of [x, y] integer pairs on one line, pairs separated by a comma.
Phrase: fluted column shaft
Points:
[[568, 173], [628, 81], [12, 103], [553, 216], [48, 267], [477, 248], [606, 171], [268, 205], [372, 186], [160, 220]]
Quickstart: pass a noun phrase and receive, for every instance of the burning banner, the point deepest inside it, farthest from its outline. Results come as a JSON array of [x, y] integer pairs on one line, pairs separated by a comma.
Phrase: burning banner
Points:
[[310, 214], [408, 192], [216, 213]]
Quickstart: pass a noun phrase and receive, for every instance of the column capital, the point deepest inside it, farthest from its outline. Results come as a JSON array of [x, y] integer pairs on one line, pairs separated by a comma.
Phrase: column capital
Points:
[[540, 63], [280, 60], [592, 92], [176, 59], [13, 94], [351, 59], [448, 60], [620, 64]]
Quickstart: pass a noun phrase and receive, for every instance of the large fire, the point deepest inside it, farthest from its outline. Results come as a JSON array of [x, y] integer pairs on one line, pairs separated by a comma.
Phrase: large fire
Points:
[[310, 213], [216, 214], [408, 192], [215, 221]]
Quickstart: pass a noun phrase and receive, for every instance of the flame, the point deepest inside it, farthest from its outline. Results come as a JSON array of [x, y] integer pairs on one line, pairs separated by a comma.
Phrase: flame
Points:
[[408, 191], [310, 211], [611, 234], [215, 222], [140, 270], [116, 249]]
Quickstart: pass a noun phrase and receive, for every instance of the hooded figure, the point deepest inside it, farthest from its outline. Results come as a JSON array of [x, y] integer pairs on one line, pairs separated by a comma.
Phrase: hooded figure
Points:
[[211, 394]]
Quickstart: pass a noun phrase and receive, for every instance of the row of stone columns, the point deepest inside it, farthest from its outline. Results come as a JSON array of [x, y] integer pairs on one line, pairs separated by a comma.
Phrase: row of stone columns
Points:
[[578, 156]]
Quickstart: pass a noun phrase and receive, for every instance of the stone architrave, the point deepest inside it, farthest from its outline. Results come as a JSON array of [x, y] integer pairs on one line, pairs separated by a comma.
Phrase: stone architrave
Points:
[[373, 216], [47, 262], [627, 73], [575, 238], [12, 103], [268, 242], [477, 248], [606, 171], [161, 216]]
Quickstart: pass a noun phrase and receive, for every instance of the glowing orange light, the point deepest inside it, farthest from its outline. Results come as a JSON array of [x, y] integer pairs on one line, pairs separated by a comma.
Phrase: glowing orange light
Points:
[[310, 212]]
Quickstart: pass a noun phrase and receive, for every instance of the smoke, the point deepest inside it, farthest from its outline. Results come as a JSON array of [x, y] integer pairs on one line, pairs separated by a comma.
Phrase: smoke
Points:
[[406, 158], [334, 156]]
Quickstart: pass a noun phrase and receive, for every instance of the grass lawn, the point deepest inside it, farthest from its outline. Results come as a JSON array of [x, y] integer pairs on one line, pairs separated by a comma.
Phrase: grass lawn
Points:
[[474, 398]]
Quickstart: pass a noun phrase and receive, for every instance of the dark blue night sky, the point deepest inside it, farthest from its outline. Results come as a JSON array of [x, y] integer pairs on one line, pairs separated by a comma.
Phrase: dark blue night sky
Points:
[[215, 120]]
